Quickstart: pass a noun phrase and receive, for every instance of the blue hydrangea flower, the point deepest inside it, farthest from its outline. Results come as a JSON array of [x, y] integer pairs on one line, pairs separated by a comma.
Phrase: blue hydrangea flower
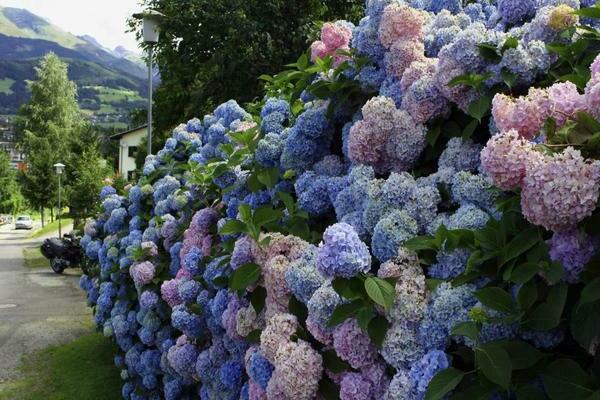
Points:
[[342, 253], [390, 232]]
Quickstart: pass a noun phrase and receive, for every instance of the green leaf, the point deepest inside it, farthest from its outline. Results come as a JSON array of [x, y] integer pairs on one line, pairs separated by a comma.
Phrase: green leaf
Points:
[[480, 107], [443, 383], [547, 315], [522, 354], [245, 212], [494, 363], [565, 380], [420, 243], [232, 227], [380, 291], [364, 317], [591, 292], [467, 328], [244, 276], [265, 214], [257, 299], [553, 271], [433, 134], [590, 12], [348, 288], [529, 392], [297, 308], [497, 299], [343, 312], [254, 336], [268, 177], [508, 77], [334, 363], [490, 53], [377, 329], [585, 324], [527, 295], [470, 129], [329, 390], [524, 272], [510, 43], [521, 243]]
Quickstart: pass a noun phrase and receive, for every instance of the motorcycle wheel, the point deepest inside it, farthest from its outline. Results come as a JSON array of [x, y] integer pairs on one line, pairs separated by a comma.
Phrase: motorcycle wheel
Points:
[[57, 265]]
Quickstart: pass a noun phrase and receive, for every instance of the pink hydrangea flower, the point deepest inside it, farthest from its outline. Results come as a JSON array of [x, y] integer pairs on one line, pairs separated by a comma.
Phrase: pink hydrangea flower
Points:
[[561, 190], [505, 159], [352, 344], [462, 95], [387, 139], [150, 248], [400, 22], [566, 101], [279, 330], [318, 49], [592, 93], [595, 67], [335, 36], [170, 293], [322, 335], [525, 114], [142, 273], [298, 370], [401, 55], [416, 70]]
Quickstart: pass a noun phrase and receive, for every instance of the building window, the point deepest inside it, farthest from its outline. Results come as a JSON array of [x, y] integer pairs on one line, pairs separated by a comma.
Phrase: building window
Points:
[[132, 151]]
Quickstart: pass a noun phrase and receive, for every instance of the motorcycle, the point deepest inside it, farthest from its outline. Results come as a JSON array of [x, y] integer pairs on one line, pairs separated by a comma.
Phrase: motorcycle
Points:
[[63, 253]]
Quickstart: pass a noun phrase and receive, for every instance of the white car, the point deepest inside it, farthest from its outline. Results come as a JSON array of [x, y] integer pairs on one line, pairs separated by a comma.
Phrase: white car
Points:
[[24, 222]]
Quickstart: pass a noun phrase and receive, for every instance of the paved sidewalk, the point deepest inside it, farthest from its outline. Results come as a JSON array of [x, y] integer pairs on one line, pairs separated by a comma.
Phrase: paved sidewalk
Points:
[[38, 308]]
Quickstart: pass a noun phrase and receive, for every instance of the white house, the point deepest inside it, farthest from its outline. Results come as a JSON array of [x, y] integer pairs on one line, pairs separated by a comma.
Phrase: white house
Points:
[[129, 142]]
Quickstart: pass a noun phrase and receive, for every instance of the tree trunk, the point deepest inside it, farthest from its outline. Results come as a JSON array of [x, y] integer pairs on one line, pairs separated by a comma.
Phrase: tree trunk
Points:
[[52, 214], [42, 215]]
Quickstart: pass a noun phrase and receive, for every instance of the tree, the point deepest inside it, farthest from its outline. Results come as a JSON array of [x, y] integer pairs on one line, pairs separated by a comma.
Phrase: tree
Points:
[[215, 49], [52, 129], [85, 176], [11, 200], [46, 126]]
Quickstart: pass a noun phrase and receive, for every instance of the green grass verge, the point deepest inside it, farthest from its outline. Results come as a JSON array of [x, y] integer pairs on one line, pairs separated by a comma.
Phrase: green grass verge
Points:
[[51, 227], [80, 370], [34, 258]]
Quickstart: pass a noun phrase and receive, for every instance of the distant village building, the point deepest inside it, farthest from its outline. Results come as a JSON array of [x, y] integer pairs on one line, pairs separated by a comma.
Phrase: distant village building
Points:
[[8, 143], [129, 142]]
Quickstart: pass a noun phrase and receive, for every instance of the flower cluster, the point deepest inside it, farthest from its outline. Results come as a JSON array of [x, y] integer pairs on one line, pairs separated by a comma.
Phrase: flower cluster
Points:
[[204, 299]]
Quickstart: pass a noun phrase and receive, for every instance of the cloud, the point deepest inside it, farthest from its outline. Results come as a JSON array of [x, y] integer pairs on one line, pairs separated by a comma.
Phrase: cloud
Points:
[[104, 20]]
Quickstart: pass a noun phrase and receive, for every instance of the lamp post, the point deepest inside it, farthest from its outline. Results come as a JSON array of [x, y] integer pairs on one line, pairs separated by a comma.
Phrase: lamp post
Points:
[[59, 171], [150, 20]]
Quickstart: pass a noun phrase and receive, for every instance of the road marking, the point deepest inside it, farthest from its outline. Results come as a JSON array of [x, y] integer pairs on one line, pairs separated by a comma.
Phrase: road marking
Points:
[[3, 306]]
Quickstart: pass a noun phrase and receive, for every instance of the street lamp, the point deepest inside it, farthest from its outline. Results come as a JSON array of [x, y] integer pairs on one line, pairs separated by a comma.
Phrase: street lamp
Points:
[[59, 171], [151, 20]]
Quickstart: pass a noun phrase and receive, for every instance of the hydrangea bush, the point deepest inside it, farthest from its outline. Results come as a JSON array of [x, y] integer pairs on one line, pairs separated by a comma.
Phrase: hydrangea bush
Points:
[[411, 213]]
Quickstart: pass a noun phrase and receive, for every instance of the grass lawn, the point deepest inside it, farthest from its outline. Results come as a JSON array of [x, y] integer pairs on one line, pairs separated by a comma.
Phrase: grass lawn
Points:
[[34, 258], [80, 370], [49, 228]]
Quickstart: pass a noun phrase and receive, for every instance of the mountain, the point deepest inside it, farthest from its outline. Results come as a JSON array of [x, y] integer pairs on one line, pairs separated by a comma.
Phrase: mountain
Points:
[[110, 83]]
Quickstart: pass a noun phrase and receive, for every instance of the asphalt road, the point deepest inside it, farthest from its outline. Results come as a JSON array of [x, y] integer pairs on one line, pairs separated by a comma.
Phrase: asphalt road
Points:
[[38, 308]]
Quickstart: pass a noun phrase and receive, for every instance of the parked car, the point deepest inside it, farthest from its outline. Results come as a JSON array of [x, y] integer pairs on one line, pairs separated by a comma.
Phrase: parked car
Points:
[[24, 222]]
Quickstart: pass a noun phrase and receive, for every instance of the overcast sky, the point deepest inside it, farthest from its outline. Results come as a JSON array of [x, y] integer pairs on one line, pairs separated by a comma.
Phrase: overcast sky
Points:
[[102, 19]]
